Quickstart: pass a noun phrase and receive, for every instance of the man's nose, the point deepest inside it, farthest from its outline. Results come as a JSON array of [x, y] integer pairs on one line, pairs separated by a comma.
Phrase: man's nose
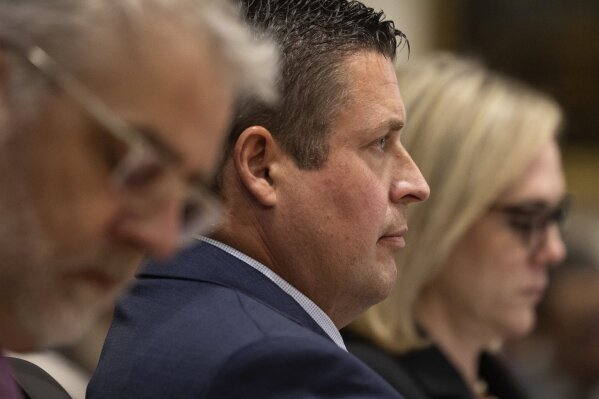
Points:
[[409, 185]]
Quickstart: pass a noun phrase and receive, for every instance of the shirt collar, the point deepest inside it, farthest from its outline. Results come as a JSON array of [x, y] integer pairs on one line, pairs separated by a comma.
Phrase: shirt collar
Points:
[[317, 314]]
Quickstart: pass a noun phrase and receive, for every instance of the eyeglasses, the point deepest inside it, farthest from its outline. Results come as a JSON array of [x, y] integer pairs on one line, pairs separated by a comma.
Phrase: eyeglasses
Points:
[[531, 220], [150, 173]]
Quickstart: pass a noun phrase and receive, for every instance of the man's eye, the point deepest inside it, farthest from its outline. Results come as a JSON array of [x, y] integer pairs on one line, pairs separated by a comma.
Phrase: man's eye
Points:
[[381, 143], [143, 175]]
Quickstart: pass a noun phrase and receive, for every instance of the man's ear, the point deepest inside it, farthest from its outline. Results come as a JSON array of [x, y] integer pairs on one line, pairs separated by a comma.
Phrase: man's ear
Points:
[[254, 154]]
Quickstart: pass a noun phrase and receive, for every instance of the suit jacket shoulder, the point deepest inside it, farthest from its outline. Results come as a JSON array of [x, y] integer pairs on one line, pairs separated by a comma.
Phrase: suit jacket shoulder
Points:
[[207, 325]]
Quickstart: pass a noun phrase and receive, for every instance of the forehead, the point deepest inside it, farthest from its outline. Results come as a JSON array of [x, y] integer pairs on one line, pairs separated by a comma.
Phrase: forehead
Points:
[[373, 101], [542, 180], [169, 81]]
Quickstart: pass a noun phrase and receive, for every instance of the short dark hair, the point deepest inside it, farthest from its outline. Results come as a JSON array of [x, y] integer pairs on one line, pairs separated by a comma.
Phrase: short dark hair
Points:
[[314, 37]]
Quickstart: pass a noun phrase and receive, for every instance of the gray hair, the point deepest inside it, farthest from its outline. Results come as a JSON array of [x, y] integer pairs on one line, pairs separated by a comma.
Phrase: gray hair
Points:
[[69, 30]]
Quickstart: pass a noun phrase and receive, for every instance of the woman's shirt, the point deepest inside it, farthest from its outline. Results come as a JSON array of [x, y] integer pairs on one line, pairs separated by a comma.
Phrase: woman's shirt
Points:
[[428, 374]]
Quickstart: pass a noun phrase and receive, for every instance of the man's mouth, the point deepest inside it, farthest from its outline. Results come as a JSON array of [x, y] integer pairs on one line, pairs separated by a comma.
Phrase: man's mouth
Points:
[[394, 239]]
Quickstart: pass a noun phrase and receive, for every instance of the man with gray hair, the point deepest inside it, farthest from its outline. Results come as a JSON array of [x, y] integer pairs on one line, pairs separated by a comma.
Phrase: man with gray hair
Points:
[[112, 114]]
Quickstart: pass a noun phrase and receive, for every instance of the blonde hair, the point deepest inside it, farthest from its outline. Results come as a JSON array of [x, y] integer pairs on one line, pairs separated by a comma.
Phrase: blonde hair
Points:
[[471, 132]]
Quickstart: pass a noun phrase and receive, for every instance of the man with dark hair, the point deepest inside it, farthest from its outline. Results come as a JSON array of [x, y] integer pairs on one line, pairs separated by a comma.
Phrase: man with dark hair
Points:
[[316, 191]]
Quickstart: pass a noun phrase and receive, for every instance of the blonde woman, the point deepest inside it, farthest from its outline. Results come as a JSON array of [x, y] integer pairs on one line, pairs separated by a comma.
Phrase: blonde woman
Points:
[[479, 248]]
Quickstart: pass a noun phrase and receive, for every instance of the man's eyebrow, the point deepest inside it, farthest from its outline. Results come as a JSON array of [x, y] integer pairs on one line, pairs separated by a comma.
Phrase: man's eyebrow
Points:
[[389, 125], [396, 124], [153, 137]]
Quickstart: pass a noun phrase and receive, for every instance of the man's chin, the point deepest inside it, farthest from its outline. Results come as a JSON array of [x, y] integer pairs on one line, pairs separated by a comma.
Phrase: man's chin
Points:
[[387, 279], [380, 287]]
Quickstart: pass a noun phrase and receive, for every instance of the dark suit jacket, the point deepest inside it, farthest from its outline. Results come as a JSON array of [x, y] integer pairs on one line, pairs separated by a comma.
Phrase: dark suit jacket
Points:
[[428, 374], [207, 325]]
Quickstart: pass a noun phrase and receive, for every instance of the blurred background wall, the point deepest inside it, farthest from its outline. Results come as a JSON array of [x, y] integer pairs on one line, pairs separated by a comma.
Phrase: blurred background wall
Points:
[[416, 19]]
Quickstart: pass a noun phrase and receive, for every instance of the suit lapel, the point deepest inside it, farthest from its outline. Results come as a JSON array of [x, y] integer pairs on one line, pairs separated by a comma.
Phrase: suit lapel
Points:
[[207, 263]]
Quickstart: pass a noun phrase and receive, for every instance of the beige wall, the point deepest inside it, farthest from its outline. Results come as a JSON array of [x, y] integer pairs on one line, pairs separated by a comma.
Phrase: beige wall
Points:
[[413, 17]]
